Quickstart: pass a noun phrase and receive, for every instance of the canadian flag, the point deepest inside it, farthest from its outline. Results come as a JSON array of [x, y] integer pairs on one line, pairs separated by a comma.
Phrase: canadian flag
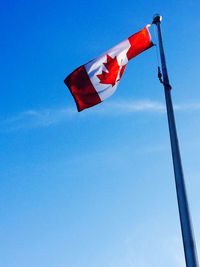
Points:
[[96, 80]]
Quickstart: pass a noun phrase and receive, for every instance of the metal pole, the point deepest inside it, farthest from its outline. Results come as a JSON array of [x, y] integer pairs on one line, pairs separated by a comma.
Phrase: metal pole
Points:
[[186, 225]]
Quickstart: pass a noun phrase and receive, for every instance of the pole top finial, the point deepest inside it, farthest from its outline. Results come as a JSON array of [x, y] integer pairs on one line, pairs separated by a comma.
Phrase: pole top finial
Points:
[[157, 18]]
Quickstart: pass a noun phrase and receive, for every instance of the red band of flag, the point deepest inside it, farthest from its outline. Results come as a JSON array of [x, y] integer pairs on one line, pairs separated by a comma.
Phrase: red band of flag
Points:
[[82, 89]]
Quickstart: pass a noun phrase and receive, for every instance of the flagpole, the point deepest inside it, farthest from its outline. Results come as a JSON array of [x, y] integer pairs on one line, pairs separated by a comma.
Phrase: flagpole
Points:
[[184, 214]]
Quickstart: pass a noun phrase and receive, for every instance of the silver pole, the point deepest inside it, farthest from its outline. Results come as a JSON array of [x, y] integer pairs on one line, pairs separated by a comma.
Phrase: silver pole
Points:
[[184, 214]]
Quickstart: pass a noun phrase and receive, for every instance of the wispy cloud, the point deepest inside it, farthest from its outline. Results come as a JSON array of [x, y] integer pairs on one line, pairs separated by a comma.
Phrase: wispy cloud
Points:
[[31, 119], [187, 107], [134, 106]]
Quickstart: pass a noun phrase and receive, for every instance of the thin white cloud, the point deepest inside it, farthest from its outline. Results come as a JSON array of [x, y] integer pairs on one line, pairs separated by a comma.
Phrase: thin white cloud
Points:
[[31, 119], [135, 106], [187, 107]]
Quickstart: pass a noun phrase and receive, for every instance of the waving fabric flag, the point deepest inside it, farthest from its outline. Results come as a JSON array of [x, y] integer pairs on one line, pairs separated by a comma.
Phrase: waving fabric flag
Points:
[[96, 80]]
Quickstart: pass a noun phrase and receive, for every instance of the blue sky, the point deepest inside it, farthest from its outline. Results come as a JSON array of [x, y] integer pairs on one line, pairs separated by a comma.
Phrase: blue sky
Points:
[[94, 188]]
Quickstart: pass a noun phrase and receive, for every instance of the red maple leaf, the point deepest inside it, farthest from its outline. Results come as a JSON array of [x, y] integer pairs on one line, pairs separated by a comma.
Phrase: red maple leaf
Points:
[[114, 70]]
